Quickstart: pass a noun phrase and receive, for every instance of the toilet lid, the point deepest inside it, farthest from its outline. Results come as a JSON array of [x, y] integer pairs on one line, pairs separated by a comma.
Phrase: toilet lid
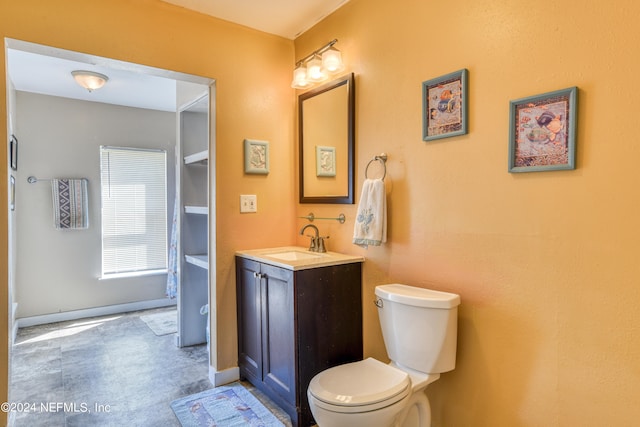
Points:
[[360, 383]]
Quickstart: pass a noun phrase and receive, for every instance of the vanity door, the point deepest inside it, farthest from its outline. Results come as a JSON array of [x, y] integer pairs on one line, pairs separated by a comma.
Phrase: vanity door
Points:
[[248, 294], [278, 339]]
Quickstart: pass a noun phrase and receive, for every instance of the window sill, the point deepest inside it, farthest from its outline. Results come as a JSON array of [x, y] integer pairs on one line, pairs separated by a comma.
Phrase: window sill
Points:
[[132, 274]]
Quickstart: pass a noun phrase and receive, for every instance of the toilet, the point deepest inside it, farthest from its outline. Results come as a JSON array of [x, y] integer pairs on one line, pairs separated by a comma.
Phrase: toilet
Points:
[[419, 327]]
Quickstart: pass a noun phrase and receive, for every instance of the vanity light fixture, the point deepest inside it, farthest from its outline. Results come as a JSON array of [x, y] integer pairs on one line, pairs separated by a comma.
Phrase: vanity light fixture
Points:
[[315, 70], [89, 80], [332, 60], [317, 66]]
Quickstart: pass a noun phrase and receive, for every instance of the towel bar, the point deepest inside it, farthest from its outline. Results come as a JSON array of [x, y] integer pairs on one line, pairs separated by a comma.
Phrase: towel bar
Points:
[[33, 180], [341, 218]]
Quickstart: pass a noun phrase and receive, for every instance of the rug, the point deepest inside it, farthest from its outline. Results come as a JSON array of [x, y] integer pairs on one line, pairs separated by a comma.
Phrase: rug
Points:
[[226, 406], [162, 323]]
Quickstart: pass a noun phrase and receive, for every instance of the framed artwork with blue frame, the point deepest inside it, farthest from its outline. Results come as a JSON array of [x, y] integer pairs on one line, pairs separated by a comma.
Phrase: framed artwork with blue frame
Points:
[[445, 106], [542, 131]]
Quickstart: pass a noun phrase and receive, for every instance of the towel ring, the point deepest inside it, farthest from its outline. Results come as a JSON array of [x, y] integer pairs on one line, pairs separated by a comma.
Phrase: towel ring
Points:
[[382, 158]]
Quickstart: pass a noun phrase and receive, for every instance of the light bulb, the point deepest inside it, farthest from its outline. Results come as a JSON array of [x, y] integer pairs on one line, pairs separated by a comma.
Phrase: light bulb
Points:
[[332, 61], [300, 77], [315, 72]]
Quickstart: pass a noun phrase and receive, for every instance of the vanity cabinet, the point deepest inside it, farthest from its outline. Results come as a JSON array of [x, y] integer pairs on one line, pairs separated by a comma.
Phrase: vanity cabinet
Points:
[[293, 324]]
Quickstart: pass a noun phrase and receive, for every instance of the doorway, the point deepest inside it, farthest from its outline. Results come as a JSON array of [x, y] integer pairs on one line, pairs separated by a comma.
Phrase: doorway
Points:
[[156, 93]]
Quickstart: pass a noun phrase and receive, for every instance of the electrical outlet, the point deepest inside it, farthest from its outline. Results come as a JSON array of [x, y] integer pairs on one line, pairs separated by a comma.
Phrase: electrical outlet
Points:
[[248, 203]]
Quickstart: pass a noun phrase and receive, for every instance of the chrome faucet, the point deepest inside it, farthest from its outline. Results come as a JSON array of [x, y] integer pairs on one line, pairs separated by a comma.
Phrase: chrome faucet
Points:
[[317, 242]]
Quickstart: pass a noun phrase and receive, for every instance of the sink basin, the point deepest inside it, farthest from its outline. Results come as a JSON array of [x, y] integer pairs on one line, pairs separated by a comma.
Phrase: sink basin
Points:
[[294, 255]]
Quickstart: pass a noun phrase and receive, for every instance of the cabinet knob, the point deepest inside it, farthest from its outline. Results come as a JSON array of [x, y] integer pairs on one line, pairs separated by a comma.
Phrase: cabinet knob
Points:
[[259, 275]]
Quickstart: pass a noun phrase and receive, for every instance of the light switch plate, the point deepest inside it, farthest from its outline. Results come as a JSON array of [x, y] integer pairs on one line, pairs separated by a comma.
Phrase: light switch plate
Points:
[[248, 203]]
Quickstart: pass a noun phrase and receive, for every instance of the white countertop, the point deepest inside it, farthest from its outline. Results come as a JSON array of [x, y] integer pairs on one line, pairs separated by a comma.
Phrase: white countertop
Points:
[[281, 257]]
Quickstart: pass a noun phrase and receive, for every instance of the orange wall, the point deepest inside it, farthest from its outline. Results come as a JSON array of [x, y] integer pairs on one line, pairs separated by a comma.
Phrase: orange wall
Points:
[[545, 263], [254, 100]]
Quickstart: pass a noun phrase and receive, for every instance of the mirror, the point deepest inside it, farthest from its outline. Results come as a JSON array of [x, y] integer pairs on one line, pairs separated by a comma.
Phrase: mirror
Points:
[[326, 135]]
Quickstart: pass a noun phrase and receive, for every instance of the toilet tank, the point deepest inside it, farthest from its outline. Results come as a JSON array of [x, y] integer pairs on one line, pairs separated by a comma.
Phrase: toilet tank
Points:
[[419, 326]]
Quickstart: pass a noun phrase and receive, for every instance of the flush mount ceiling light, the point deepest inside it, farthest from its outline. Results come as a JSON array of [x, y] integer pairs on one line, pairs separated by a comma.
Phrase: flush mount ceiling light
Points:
[[317, 66], [89, 79]]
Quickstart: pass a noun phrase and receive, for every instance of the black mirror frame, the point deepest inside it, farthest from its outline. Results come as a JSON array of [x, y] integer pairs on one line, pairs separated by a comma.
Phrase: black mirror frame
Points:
[[349, 80]]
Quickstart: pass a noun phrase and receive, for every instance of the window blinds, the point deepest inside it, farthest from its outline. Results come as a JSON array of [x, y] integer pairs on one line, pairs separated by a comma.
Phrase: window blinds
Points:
[[134, 210]]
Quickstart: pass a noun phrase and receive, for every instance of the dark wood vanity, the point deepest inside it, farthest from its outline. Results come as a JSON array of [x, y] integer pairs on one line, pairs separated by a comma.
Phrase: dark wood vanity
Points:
[[294, 322]]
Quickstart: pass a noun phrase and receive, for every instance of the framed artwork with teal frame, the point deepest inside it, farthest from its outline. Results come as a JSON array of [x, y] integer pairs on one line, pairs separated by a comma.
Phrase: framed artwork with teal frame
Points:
[[542, 131], [445, 106]]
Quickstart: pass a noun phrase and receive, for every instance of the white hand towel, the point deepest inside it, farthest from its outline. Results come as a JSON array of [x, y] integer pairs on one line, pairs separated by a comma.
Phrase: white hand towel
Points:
[[371, 222]]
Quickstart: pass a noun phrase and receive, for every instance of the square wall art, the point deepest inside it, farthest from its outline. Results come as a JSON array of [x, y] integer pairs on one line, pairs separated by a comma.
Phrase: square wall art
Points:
[[542, 132], [256, 157], [444, 106]]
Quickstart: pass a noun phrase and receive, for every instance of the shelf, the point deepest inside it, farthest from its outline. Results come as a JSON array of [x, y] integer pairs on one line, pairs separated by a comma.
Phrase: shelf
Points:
[[201, 157], [198, 210], [201, 261]]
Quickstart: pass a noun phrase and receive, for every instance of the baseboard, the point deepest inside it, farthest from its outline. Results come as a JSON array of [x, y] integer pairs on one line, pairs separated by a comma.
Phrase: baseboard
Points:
[[11, 419], [14, 332], [227, 376], [92, 312]]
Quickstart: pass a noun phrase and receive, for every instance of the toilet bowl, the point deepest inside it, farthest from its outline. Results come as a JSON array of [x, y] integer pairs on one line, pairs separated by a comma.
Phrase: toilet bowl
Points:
[[419, 329], [369, 390]]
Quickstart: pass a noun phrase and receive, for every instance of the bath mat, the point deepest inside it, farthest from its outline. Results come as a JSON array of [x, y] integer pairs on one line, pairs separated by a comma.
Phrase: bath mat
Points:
[[162, 323], [226, 406]]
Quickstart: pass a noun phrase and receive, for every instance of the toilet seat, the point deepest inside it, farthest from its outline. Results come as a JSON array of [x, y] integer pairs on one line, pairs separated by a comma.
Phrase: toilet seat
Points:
[[361, 386]]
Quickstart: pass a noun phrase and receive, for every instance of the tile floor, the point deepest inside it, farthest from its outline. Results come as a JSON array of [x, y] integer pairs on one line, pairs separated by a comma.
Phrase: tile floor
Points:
[[105, 371]]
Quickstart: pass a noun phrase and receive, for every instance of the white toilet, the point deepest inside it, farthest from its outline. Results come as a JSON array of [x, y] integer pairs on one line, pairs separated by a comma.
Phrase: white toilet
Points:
[[419, 327]]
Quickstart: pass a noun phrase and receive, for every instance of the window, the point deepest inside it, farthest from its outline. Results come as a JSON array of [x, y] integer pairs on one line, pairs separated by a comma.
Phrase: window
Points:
[[134, 211]]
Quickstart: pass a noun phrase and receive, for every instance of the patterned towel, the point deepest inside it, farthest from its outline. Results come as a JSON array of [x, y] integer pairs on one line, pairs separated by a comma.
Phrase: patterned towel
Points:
[[70, 205], [371, 223]]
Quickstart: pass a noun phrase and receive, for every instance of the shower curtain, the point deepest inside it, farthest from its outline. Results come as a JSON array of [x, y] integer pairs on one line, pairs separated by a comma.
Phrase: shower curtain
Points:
[[172, 271]]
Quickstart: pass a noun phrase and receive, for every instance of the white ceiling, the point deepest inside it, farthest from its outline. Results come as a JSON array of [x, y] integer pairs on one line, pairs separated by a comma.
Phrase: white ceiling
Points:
[[51, 75], [286, 18], [44, 70]]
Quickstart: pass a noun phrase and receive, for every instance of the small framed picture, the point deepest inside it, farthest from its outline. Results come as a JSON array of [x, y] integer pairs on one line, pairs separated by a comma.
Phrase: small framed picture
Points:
[[444, 106], [325, 161], [256, 157], [13, 148], [542, 131]]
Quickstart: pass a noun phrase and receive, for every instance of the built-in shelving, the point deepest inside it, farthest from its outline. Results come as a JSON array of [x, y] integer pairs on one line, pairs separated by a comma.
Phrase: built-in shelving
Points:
[[197, 210], [193, 192], [201, 261], [200, 157]]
